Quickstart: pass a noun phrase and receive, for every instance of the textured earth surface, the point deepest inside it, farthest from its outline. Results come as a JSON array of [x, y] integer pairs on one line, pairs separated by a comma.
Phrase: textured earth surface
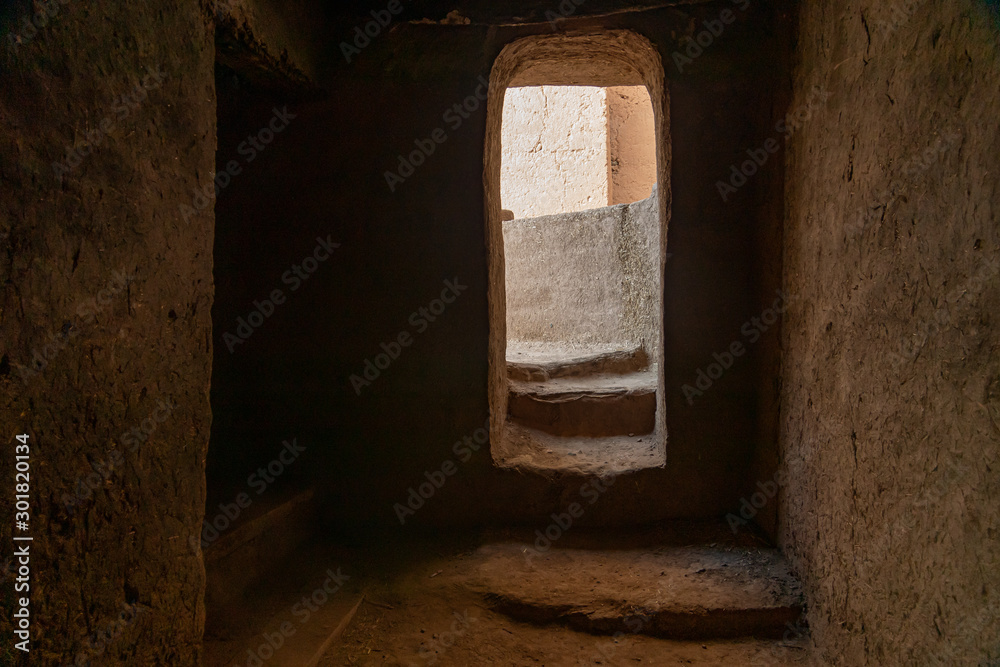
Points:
[[443, 608]]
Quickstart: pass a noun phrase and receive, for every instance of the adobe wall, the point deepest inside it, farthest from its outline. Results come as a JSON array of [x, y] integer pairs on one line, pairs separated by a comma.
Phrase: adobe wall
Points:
[[105, 322], [890, 386], [555, 150], [633, 157]]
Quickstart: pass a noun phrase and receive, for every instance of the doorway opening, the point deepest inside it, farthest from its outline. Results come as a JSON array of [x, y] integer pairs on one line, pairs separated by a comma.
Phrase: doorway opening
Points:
[[577, 225]]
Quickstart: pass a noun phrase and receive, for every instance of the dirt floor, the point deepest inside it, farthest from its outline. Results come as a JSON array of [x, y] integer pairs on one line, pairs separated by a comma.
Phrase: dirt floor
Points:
[[424, 606], [426, 628]]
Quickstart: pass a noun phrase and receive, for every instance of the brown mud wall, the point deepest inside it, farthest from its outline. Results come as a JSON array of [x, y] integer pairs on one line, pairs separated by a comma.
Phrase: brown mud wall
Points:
[[891, 388], [105, 322]]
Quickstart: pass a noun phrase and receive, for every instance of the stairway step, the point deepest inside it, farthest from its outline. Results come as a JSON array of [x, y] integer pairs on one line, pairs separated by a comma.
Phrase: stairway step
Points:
[[676, 592], [532, 364], [599, 384], [532, 451], [596, 406]]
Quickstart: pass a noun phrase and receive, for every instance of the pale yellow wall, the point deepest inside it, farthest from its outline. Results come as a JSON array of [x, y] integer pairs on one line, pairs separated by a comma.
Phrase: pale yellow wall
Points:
[[632, 144], [572, 148], [554, 150]]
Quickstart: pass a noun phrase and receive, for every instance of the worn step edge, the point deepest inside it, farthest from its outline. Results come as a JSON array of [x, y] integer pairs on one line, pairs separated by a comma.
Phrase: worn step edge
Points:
[[551, 395], [667, 623], [620, 414], [618, 362]]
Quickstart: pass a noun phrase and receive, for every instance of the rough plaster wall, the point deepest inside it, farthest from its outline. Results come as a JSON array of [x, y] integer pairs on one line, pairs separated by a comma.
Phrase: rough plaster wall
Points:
[[123, 548], [891, 385], [555, 150], [584, 278], [631, 144], [637, 244]]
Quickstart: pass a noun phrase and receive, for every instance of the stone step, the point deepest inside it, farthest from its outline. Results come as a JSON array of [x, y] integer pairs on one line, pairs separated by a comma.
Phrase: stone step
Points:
[[595, 406], [531, 364], [529, 450], [675, 592]]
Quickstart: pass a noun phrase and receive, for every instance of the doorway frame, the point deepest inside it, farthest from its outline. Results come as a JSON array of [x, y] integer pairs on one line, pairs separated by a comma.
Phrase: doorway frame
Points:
[[604, 58]]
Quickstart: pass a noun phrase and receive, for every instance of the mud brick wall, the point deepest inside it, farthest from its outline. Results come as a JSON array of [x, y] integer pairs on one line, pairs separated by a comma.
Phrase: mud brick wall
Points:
[[891, 388], [105, 302]]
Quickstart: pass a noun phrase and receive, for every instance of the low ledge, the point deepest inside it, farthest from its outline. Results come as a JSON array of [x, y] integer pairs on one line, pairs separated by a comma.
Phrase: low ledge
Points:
[[711, 591], [528, 450], [533, 365]]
